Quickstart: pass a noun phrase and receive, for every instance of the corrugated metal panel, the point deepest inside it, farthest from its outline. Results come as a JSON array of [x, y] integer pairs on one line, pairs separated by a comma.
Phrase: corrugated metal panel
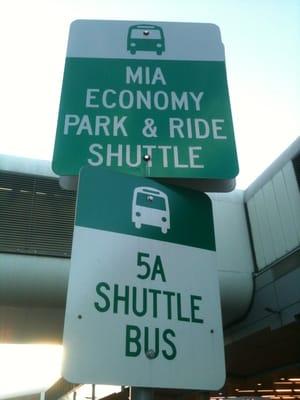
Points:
[[265, 229], [284, 212], [296, 164], [256, 235], [274, 215], [276, 233], [36, 215], [293, 192]]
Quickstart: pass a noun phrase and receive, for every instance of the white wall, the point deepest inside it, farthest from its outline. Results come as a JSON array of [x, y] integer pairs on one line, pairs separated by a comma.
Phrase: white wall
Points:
[[234, 257]]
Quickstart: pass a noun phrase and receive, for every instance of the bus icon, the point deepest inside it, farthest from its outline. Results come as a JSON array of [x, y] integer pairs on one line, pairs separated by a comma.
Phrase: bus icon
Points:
[[145, 38], [150, 207]]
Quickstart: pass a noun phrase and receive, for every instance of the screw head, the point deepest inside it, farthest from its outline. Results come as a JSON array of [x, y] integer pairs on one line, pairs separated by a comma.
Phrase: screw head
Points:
[[147, 157], [150, 354]]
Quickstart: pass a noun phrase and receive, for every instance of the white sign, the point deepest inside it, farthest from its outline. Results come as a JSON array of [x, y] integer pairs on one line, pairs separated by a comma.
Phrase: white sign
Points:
[[143, 307]]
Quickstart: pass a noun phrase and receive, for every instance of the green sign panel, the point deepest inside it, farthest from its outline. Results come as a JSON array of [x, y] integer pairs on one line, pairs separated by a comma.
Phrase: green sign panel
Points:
[[122, 196], [143, 304], [146, 99]]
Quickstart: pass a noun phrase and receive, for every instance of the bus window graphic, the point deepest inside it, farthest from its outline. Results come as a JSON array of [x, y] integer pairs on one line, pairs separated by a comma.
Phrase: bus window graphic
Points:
[[150, 207], [145, 38]]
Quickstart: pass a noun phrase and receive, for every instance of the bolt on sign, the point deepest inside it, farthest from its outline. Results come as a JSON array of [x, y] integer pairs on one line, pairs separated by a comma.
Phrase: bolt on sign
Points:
[[143, 306], [147, 99]]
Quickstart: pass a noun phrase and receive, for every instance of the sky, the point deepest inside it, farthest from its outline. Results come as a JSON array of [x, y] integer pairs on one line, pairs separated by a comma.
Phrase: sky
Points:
[[261, 39]]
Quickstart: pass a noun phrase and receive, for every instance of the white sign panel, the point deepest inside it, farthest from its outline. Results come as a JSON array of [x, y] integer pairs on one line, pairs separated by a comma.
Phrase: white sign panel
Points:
[[143, 307]]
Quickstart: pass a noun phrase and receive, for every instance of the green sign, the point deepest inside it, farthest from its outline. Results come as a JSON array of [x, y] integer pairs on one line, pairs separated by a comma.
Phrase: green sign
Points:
[[143, 304], [146, 99], [124, 196]]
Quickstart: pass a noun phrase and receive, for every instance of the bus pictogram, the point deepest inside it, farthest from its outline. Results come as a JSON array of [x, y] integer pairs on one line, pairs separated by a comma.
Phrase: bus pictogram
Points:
[[150, 207]]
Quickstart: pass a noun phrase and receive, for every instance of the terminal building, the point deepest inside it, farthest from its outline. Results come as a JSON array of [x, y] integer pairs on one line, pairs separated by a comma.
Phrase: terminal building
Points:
[[257, 235]]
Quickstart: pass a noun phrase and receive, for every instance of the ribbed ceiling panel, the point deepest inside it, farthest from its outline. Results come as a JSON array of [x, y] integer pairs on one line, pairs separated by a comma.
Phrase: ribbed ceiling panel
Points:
[[36, 215]]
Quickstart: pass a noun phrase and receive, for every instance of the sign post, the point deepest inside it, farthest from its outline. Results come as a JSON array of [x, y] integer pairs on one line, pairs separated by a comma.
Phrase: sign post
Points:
[[147, 99], [143, 306]]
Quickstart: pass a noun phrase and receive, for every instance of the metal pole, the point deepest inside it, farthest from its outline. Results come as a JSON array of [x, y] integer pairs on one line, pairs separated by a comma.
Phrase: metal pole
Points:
[[93, 392], [141, 393]]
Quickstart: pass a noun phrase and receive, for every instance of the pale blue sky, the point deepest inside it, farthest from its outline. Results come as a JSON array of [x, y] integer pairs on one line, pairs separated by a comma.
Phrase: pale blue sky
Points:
[[262, 43]]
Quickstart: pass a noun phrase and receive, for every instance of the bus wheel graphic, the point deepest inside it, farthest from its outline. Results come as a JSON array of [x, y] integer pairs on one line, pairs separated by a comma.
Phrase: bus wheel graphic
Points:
[[137, 223]]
